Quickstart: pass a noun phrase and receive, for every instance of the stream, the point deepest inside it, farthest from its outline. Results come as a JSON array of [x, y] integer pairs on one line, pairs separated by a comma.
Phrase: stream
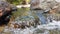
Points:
[[26, 18]]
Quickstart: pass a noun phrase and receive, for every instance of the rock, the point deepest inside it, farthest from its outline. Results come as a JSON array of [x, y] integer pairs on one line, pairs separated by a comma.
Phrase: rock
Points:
[[5, 12], [43, 4], [50, 6], [35, 4], [57, 1], [14, 8], [1, 29]]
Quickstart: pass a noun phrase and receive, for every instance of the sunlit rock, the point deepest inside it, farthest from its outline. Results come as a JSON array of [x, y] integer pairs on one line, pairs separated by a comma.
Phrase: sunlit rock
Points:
[[43, 4], [57, 1], [35, 4]]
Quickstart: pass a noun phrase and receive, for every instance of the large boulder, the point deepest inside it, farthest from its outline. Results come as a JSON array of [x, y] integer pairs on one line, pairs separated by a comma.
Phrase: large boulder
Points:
[[5, 12], [43, 4]]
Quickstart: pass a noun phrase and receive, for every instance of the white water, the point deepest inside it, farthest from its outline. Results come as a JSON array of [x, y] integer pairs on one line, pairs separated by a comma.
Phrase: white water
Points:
[[40, 29]]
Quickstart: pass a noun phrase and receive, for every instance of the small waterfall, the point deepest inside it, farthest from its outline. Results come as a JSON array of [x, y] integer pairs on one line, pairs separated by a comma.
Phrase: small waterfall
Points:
[[42, 18]]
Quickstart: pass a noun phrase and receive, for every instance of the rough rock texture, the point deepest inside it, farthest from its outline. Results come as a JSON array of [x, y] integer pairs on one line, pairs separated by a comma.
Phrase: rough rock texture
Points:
[[44, 4], [5, 12], [52, 6]]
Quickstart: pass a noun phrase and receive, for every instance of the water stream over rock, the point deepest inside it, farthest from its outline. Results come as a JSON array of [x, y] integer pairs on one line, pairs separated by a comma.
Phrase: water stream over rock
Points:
[[27, 25]]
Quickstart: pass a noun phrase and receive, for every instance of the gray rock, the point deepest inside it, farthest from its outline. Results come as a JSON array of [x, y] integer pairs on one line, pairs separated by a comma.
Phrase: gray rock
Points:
[[43, 4]]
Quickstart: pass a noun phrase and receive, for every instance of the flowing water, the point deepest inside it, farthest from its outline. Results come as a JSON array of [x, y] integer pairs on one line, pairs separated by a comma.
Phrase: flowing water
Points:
[[33, 22]]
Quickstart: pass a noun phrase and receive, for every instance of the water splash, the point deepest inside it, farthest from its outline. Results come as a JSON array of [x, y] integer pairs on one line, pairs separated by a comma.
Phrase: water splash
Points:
[[40, 29]]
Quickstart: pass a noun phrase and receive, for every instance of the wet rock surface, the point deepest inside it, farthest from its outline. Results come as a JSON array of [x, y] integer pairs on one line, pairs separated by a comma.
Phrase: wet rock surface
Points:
[[31, 25], [25, 25], [51, 28]]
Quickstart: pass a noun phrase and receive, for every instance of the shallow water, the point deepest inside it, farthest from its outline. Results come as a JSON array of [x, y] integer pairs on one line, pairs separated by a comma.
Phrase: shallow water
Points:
[[51, 28]]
